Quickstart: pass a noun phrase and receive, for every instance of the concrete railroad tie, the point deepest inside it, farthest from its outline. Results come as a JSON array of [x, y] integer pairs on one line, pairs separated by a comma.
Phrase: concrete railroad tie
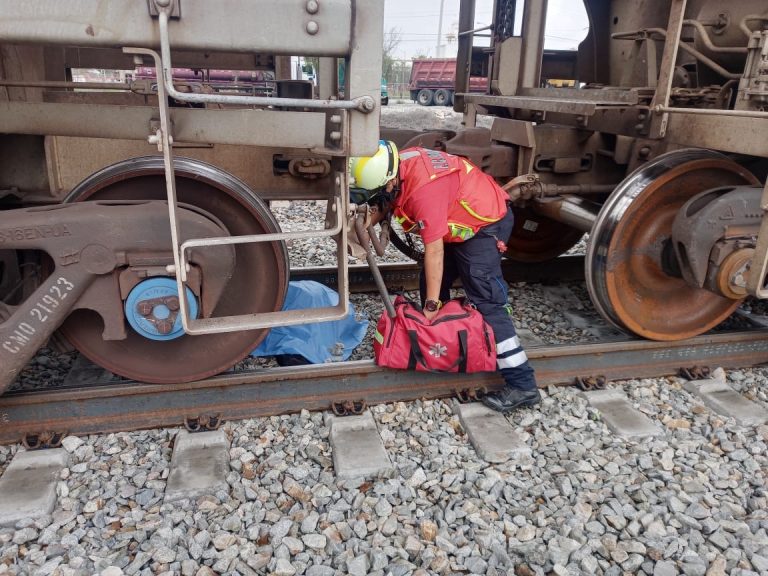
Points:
[[200, 461]]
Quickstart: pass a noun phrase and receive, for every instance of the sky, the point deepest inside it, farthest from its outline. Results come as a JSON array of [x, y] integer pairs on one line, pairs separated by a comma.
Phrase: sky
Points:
[[416, 23]]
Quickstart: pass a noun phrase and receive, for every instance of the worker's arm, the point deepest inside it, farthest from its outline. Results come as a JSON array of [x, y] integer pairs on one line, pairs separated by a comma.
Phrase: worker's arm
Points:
[[433, 272]]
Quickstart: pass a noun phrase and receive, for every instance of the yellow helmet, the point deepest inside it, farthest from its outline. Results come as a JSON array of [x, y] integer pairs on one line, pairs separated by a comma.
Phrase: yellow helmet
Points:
[[372, 172]]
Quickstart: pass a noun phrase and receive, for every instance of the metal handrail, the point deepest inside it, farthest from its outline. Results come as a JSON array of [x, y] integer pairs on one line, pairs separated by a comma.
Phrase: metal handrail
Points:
[[252, 321], [364, 104]]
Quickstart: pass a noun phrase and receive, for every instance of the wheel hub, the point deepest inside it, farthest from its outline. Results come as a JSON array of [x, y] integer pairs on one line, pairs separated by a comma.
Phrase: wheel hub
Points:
[[733, 275], [152, 309]]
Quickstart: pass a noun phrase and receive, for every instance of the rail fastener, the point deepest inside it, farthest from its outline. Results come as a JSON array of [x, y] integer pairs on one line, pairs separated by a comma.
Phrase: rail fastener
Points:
[[466, 395], [203, 423], [349, 407], [587, 383], [694, 372], [43, 440]]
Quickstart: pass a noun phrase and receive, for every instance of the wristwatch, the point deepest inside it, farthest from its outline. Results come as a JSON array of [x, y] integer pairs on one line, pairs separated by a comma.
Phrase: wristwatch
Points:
[[432, 305]]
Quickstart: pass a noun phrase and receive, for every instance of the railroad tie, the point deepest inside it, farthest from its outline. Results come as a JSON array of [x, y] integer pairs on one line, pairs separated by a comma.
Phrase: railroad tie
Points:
[[199, 465], [718, 396], [28, 485], [621, 417], [492, 436], [358, 451]]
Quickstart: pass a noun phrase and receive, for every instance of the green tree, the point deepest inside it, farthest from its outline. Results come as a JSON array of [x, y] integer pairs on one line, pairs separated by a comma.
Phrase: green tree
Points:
[[392, 40]]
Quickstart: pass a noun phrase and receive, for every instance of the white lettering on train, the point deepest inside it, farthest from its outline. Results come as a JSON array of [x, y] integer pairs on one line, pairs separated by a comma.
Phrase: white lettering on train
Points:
[[40, 312]]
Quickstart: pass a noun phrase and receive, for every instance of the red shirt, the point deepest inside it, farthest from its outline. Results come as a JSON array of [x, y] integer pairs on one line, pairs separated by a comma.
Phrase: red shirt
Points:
[[429, 204], [445, 196]]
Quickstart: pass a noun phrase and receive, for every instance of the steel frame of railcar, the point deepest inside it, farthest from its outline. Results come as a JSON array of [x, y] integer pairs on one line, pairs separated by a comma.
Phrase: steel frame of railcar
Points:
[[644, 114]]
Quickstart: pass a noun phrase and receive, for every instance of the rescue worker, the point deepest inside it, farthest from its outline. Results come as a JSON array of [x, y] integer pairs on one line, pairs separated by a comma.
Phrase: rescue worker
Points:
[[464, 219]]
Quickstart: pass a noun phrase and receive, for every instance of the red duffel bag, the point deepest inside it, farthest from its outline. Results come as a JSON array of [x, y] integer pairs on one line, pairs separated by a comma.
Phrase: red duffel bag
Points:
[[456, 340]]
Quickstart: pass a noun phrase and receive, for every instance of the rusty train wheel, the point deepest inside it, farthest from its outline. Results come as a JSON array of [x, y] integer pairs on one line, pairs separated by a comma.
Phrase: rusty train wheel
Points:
[[624, 267], [259, 282], [536, 238]]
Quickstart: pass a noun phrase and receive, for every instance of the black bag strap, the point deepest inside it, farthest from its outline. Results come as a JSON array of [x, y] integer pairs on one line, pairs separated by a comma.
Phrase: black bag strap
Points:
[[416, 356], [463, 346]]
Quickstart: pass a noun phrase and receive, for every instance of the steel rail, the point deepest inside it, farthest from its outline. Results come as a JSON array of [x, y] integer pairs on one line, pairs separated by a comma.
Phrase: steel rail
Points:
[[131, 406], [405, 276]]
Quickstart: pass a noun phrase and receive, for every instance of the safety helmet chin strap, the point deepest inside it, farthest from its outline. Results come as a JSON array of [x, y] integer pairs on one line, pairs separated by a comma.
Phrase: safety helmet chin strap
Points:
[[395, 189]]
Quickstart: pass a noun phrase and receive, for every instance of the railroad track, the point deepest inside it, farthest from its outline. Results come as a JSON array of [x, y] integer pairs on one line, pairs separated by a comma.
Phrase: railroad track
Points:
[[507, 466], [91, 400], [406, 275], [92, 405], [210, 473]]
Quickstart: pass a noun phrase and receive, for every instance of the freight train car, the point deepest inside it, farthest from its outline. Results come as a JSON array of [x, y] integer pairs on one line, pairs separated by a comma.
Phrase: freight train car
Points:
[[135, 216]]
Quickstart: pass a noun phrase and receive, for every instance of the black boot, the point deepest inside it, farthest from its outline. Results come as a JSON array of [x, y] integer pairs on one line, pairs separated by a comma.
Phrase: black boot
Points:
[[509, 399]]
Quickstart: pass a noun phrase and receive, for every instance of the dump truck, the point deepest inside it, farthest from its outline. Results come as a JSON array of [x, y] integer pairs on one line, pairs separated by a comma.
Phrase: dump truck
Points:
[[433, 81]]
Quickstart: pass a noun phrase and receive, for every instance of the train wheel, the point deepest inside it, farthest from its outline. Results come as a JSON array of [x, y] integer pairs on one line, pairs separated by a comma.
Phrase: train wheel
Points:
[[258, 284], [629, 244], [536, 238]]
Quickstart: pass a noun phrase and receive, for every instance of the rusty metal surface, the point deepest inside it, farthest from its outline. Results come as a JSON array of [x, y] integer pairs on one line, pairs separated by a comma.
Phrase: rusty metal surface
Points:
[[581, 108], [129, 406], [291, 129], [71, 160], [724, 214], [626, 275], [86, 244], [667, 66], [556, 105], [258, 283], [536, 238]]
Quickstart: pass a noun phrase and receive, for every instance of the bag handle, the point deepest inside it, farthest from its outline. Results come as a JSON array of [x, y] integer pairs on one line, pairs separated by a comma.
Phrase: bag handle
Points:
[[416, 356]]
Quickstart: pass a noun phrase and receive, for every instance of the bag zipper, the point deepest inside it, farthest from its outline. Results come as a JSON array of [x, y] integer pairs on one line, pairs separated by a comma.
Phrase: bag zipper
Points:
[[451, 317]]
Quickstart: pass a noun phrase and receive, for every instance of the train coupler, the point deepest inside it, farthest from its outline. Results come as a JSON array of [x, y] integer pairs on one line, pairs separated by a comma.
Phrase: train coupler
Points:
[[588, 383], [349, 407]]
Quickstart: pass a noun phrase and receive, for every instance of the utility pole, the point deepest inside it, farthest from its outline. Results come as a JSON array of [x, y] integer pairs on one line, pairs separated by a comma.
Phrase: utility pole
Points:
[[439, 30]]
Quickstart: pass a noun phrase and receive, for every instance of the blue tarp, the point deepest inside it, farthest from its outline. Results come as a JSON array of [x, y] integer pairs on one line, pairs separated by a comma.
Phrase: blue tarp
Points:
[[319, 342]]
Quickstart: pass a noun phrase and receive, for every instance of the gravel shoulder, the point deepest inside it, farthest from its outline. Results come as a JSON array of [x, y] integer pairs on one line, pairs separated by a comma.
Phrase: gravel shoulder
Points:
[[585, 502]]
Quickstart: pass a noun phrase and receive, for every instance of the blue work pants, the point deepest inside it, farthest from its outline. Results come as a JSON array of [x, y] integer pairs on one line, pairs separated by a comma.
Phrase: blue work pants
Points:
[[477, 262]]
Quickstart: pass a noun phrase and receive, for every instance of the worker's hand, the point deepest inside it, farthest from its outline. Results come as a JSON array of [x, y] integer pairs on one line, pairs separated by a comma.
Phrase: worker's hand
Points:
[[377, 215], [523, 187], [429, 315]]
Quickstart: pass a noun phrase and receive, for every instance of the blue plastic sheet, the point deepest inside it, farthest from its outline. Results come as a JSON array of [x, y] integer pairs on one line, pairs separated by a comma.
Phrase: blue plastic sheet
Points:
[[319, 342]]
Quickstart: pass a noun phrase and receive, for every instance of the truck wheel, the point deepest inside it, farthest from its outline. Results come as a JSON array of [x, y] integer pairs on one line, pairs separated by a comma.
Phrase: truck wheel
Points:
[[425, 97], [442, 97]]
